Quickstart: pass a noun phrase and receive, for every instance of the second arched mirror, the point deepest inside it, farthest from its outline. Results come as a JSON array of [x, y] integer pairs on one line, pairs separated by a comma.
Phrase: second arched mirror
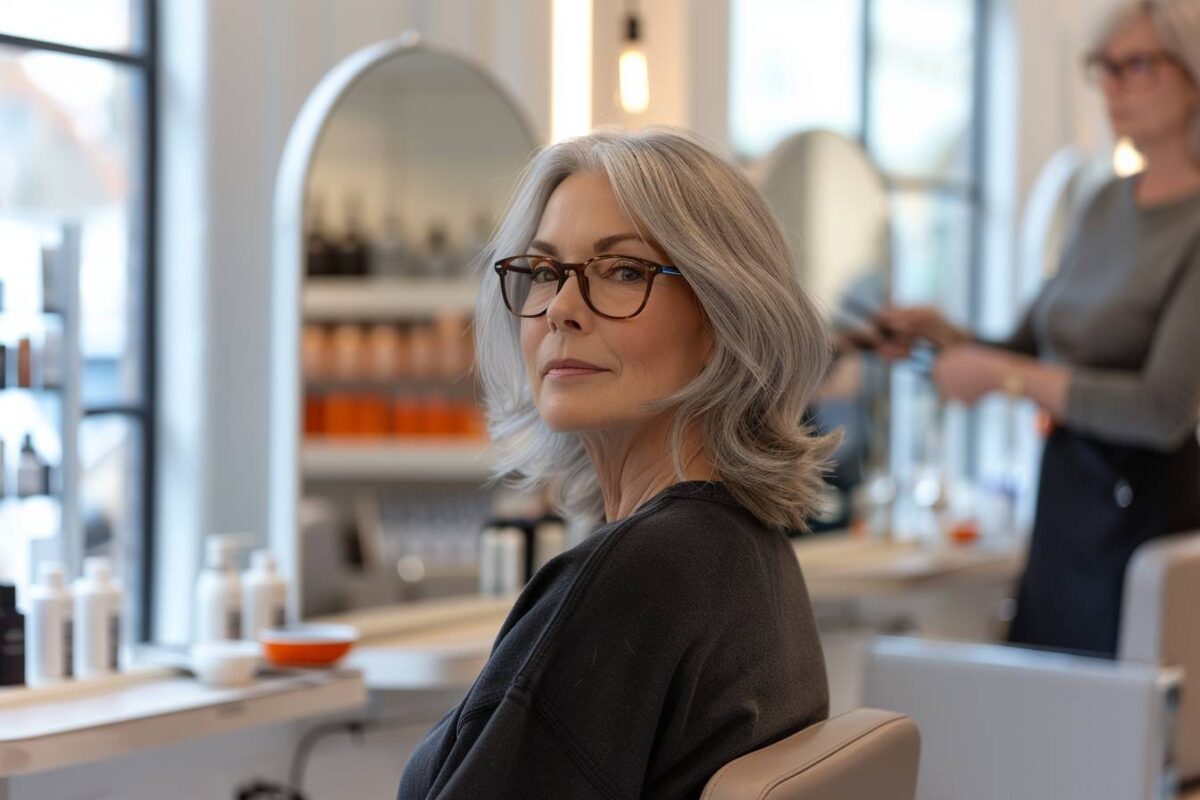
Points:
[[833, 206]]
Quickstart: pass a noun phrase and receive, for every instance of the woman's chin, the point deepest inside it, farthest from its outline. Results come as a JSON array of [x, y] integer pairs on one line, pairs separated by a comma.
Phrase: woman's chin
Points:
[[571, 418], [573, 423]]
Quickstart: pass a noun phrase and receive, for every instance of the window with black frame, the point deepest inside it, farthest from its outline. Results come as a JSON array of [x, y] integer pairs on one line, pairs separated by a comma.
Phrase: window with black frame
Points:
[[904, 78], [77, 240]]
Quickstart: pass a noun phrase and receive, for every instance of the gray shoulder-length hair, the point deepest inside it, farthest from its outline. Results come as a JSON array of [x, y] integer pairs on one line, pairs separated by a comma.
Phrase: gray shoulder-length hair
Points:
[[1178, 25], [771, 348]]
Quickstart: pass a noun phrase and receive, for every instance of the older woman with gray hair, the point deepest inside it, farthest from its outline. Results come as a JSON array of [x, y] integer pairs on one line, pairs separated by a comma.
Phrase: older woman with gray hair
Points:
[[1109, 347], [645, 346]]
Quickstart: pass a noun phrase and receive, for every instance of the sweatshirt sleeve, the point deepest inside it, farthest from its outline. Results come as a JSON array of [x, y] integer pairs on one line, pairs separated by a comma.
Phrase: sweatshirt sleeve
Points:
[[518, 754], [1157, 406]]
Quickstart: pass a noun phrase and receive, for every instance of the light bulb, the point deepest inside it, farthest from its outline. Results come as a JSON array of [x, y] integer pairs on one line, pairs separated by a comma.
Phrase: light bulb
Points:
[[635, 80], [1126, 160]]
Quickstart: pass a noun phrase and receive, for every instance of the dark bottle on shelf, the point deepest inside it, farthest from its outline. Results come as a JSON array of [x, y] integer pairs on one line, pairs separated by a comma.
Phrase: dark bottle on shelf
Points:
[[12, 638], [439, 262], [317, 255], [3, 367], [33, 474], [350, 250]]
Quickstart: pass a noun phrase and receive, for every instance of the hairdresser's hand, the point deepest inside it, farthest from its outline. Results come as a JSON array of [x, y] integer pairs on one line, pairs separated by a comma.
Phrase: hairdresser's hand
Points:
[[851, 340], [903, 326], [966, 372]]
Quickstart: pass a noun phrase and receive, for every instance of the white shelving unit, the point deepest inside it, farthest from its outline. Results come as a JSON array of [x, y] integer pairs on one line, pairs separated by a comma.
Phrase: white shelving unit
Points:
[[402, 461], [372, 299], [24, 548]]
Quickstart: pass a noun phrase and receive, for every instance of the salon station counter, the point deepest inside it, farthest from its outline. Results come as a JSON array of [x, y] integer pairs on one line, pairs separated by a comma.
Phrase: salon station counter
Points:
[[58, 726], [435, 645], [444, 644]]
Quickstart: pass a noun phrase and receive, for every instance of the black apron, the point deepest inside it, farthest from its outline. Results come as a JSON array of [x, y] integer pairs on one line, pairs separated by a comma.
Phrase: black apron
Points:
[[1097, 502]]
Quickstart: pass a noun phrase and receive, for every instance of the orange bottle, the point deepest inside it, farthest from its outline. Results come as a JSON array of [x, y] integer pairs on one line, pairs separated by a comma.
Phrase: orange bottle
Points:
[[404, 415], [339, 414], [314, 415]]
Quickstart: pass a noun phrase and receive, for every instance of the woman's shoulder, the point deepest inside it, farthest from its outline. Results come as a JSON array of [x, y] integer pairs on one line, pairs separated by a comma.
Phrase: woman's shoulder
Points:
[[688, 536]]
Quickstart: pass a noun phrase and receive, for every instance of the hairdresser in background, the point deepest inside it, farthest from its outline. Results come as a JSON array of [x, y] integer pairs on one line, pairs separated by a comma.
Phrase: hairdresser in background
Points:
[[1110, 348]]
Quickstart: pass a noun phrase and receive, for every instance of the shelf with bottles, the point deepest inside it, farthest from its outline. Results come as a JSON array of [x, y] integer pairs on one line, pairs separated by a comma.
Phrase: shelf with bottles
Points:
[[40, 404], [29, 364], [391, 382], [388, 250]]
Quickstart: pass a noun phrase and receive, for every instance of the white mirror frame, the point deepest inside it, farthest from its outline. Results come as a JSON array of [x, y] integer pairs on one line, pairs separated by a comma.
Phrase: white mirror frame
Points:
[[287, 277]]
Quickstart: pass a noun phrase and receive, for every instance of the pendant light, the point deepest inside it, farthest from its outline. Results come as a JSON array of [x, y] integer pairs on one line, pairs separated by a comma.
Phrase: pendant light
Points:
[[634, 72], [1126, 160]]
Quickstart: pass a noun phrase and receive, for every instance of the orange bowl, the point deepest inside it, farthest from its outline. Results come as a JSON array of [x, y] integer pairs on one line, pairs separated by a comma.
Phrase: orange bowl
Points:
[[307, 645]]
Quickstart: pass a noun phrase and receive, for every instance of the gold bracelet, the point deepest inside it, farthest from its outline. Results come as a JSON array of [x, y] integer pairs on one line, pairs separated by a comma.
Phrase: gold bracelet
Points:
[[1014, 383]]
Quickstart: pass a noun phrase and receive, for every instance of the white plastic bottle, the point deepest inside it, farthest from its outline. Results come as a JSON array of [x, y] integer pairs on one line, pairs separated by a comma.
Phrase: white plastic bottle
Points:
[[489, 560], [49, 628], [218, 593], [264, 595], [511, 560], [97, 619]]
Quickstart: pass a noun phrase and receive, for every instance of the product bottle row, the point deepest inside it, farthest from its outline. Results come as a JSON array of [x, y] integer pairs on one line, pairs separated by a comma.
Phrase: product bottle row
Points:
[[68, 631], [378, 414], [29, 364], [75, 631], [388, 251], [386, 353]]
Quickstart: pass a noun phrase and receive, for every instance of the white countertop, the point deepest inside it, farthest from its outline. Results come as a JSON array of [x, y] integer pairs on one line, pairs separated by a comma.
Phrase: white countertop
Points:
[[72, 723]]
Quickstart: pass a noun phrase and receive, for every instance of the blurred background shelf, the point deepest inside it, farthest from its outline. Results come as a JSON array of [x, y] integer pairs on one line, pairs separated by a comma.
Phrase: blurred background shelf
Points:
[[337, 299], [402, 460]]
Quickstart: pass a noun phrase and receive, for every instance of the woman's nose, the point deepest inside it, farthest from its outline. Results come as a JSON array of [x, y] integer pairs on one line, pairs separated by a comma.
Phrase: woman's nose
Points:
[[568, 307]]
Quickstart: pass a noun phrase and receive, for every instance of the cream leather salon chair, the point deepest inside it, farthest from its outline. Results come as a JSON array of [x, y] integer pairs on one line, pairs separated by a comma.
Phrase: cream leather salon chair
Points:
[[865, 754], [1002, 722]]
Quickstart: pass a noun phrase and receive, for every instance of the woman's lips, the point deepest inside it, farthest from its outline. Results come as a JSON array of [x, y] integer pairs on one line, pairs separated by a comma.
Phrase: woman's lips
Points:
[[573, 372]]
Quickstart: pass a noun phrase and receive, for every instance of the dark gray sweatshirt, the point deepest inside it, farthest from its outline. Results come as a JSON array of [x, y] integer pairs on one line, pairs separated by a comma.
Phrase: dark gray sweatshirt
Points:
[[637, 664], [1124, 313]]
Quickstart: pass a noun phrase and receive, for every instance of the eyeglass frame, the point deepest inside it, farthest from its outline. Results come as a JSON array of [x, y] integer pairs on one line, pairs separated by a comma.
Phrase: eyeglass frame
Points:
[[565, 268], [1116, 68]]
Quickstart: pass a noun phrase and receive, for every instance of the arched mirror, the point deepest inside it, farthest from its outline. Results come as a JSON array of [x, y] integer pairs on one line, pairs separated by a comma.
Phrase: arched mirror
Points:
[[393, 176], [833, 205]]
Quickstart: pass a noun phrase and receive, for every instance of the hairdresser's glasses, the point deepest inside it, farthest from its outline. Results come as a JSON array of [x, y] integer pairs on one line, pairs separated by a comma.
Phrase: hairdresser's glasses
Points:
[[616, 287], [1136, 71]]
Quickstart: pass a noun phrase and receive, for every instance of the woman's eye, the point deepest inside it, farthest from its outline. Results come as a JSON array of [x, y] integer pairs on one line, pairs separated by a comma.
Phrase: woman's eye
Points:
[[1138, 65], [625, 272], [543, 275]]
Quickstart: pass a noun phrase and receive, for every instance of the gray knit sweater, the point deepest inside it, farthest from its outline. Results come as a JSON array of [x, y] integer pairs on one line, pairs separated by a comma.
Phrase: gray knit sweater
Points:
[[1123, 312]]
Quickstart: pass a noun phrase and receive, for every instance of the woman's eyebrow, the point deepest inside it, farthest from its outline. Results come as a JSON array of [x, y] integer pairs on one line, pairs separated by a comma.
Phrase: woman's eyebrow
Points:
[[608, 241], [599, 246]]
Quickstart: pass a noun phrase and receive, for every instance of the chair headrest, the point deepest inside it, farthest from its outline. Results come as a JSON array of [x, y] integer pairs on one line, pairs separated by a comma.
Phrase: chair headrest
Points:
[[865, 754]]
